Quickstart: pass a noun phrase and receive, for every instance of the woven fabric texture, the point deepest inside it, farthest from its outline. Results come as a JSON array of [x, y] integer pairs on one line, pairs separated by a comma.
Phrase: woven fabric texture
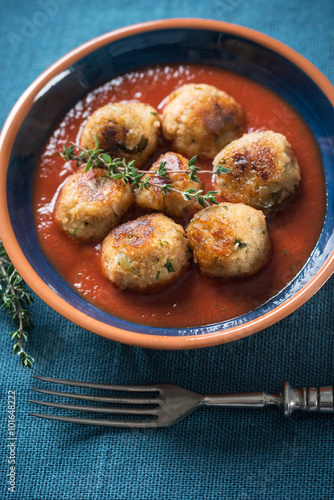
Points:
[[214, 453]]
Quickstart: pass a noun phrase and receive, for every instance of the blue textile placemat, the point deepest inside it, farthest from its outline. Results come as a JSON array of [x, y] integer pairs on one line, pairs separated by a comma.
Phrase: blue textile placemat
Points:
[[214, 453]]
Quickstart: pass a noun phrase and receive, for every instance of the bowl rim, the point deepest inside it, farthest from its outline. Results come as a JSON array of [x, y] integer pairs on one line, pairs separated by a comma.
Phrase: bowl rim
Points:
[[50, 297]]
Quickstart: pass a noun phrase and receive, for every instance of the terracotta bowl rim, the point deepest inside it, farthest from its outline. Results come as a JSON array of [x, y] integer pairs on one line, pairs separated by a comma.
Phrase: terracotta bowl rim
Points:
[[12, 125]]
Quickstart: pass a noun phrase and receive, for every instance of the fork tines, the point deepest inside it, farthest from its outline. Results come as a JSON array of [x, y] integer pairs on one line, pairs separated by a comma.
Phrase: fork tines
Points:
[[136, 406]]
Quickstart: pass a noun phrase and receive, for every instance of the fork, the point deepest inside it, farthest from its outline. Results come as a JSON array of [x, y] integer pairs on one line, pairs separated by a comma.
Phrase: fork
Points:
[[166, 404]]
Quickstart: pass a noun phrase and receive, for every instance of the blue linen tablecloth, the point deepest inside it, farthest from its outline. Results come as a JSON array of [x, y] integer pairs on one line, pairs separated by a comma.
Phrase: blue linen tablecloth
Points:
[[214, 453]]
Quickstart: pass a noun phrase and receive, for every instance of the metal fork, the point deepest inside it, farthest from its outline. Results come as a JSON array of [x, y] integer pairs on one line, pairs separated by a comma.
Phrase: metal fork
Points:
[[166, 404]]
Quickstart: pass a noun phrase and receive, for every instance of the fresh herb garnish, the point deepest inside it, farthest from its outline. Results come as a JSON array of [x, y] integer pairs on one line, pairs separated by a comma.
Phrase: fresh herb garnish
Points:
[[15, 300], [220, 168], [118, 168]]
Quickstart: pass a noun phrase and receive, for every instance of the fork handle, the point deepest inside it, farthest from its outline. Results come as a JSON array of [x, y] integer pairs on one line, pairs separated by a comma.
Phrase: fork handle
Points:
[[308, 399]]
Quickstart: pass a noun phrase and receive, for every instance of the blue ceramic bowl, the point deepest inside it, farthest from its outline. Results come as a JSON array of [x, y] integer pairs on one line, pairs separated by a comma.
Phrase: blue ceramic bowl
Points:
[[241, 50]]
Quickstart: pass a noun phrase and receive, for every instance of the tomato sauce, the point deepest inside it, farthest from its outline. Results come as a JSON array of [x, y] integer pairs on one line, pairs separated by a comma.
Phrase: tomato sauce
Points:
[[194, 299]]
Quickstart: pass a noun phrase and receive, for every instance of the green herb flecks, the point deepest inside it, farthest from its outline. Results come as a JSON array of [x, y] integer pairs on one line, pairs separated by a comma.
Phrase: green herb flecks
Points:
[[240, 243], [169, 266], [138, 148]]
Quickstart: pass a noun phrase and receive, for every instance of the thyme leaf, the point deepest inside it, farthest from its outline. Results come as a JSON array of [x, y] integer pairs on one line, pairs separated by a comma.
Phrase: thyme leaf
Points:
[[118, 168], [15, 299]]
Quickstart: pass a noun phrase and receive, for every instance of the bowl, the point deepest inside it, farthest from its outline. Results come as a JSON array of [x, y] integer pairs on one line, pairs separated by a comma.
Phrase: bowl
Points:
[[231, 47]]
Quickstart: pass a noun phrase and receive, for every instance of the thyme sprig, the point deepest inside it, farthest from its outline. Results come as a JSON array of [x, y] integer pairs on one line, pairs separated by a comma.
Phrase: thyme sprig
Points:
[[15, 299], [118, 168]]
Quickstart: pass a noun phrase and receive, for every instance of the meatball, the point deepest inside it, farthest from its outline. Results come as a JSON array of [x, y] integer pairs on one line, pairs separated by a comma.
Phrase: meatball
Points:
[[145, 253], [229, 240], [90, 204], [171, 203], [200, 119], [264, 170], [127, 130]]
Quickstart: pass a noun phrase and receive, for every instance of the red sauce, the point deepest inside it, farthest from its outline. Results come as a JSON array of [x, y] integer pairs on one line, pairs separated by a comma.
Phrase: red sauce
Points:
[[194, 300]]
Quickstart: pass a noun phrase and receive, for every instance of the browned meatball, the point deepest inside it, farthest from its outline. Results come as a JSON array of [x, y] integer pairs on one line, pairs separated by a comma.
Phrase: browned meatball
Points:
[[200, 119], [229, 240], [90, 204], [264, 170], [127, 130], [172, 203], [145, 253]]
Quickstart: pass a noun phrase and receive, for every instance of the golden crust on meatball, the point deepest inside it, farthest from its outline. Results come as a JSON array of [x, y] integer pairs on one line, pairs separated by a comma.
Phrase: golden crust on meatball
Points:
[[264, 170], [229, 240], [127, 130], [146, 253], [200, 119], [90, 204], [171, 203]]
